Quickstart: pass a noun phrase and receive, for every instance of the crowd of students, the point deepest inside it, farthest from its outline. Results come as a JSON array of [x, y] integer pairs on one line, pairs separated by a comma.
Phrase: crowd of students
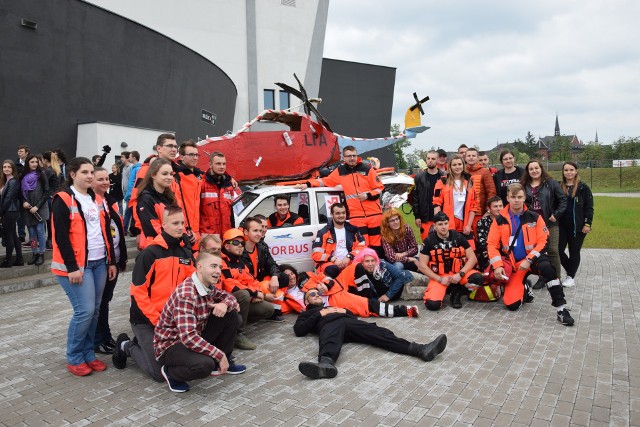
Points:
[[199, 279]]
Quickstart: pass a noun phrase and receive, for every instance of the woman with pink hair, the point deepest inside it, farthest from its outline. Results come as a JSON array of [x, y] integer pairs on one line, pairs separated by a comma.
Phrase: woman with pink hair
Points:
[[373, 278]]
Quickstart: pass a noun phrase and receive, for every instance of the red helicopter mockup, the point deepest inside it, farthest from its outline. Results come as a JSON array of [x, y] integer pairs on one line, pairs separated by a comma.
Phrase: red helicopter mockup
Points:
[[299, 151]]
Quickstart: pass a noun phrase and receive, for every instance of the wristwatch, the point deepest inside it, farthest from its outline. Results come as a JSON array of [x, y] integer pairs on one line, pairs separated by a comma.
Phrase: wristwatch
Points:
[[461, 273]]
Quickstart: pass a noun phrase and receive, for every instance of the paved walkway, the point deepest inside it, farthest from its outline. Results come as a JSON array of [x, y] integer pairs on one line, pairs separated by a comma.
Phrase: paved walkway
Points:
[[500, 368]]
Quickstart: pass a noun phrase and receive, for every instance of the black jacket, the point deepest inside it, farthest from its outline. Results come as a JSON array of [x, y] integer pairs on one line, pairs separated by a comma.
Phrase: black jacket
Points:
[[266, 265], [117, 219], [422, 203], [115, 186], [312, 321], [10, 199], [552, 200], [582, 212]]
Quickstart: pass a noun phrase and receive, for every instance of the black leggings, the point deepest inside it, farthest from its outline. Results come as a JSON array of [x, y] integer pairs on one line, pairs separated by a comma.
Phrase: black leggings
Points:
[[10, 236], [571, 262]]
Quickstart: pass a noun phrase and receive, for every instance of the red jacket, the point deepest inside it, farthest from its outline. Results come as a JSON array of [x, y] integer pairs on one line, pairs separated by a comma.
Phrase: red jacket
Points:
[[216, 196], [236, 276], [189, 185], [325, 243]]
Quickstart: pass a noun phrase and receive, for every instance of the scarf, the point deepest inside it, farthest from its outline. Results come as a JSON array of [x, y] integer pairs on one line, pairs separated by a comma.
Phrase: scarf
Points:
[[29, 183]]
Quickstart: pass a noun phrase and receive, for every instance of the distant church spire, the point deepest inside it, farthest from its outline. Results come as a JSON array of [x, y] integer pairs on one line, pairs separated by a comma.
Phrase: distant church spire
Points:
[[596, 136], [557, 131]]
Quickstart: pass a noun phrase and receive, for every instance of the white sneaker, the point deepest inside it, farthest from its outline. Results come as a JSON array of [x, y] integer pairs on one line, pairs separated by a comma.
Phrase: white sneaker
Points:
[[568, 282]]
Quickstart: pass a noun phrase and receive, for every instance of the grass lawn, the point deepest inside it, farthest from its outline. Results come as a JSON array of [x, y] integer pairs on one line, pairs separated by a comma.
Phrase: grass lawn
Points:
[[616, 224], [607, 180]]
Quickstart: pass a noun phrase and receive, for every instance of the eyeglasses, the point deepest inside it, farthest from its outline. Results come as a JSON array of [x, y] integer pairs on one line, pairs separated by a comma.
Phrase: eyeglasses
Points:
[[313, 294], [192, 155], [235, 242], [395, 219], [171, 146], [350, 155]]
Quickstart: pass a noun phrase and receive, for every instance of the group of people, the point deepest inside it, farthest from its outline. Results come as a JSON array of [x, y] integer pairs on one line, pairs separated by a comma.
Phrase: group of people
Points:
[[198, 279], [27, 186], [516, 216]]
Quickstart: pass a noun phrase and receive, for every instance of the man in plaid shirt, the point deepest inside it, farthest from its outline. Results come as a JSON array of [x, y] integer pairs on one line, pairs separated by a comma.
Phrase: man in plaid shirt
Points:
[[197, 328]]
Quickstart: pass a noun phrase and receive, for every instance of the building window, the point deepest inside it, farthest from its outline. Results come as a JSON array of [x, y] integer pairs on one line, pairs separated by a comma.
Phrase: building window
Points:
[[284, 100], [269, 99]]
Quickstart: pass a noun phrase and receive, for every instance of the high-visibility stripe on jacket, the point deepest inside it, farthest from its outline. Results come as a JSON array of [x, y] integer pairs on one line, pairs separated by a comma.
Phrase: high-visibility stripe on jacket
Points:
[[69, 233], [356, 180], [443, 197], [216, 197], [291, 219], [325, 243], [446, 260], [159, 269], [533, 231]]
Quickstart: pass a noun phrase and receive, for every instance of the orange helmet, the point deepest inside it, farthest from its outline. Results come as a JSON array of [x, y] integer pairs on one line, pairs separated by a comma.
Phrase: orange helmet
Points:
[[233, 233]]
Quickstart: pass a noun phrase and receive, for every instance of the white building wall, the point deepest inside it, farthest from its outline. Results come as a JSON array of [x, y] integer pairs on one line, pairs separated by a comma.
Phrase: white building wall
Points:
[[93, 136], [285, 40]]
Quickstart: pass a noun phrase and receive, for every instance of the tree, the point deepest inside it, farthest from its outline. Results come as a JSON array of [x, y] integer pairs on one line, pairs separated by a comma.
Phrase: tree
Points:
[[414, 158], [399, 146], [561, 149]]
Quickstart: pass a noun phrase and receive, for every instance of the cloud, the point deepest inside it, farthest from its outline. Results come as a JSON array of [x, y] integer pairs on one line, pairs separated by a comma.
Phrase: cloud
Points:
[[497, 69]]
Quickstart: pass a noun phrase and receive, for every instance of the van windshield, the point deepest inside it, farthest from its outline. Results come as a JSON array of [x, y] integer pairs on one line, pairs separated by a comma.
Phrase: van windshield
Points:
[[242, 202]]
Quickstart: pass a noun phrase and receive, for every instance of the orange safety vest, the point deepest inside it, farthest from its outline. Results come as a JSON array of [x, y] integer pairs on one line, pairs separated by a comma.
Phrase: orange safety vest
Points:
[[448, 259], [76, 240]]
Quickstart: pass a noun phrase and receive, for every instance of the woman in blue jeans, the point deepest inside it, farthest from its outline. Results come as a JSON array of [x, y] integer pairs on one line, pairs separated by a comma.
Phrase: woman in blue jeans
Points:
[[35, 193], [83, 258]]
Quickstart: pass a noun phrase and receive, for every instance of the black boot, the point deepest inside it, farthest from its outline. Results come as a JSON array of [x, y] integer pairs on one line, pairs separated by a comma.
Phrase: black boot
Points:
[[428, 352], [6, 263], [323, 369], [456, 299], [34, 258], [40, 259], [18, 262]]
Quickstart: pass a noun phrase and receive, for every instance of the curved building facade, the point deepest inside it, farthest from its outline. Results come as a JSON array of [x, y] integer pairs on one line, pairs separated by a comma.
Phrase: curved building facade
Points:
[[65, 62]]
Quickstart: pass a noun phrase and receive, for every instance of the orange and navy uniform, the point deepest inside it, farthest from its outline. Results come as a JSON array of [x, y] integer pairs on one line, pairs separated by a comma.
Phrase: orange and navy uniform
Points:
[[189, 184], [534, 236], [69, 233], [290, 219], [443, 198], [148, 214], [159, 269], [325, 244], [237, 276], [364, 214], [216, 197], [446, 258]]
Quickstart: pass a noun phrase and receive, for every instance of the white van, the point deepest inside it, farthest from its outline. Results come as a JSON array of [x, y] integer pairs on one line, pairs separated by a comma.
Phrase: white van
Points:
[[292, 245]]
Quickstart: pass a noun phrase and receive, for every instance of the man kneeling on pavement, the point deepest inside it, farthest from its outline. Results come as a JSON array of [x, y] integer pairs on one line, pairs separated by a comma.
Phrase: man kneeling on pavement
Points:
[[448, 261], [196, 331], [336, 326]]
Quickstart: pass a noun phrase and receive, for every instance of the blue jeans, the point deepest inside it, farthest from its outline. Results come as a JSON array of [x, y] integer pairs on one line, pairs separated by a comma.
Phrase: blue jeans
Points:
[[85, 299], [128, 214], [36, 232]]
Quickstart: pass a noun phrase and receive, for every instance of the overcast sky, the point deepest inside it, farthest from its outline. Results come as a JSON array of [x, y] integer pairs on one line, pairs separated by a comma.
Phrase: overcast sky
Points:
[[497, 69]]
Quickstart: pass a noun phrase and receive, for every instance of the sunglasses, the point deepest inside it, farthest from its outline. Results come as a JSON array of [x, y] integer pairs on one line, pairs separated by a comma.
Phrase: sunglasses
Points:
[[313, 294], [235, 242]]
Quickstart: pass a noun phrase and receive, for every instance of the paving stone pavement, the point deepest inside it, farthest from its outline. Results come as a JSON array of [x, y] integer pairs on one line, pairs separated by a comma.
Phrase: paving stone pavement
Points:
[[500, 367]]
